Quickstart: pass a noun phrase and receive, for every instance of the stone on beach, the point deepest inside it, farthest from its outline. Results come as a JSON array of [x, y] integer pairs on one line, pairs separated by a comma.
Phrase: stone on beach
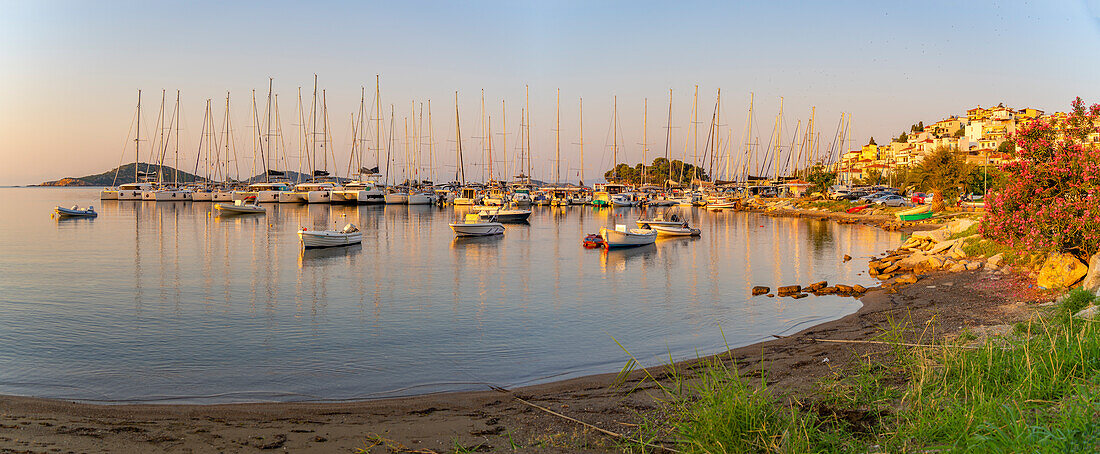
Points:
[[760, 290], [906, 279], [1061, 270], [1092, 279], [786, 290]]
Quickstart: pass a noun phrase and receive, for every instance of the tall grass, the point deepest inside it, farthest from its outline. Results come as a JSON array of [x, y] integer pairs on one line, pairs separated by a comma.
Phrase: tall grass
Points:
[[1035, 390]]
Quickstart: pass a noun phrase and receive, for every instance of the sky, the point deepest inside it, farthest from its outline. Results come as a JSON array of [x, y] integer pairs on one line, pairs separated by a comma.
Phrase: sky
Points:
[[71, 72]]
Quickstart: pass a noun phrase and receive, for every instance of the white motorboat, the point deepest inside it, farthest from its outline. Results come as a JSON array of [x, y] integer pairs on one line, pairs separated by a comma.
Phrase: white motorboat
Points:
[[359, 192], [624, 237], [625, 199], [266, 192], [108, 194], [397, 198], [505, 215], [474, 226], [659, 219], [75, 211], [349, 235], [133, 191], [521, 197], [421, 198], [675, 230], [202, 195], [466, 196], [247, 206], [167, 195]]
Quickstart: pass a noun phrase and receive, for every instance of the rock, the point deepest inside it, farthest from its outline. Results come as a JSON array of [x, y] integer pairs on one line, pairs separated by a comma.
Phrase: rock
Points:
[[959, 226], [956, 268], [771, 295], [1092, 279], [971, 266], [799, 296], [891, 269], [1061, 271], [1089, 313], [816, 285], [938, 235], [996, 260], [847, 258], [826, 290], [941, 247], [841, 288], [859, 289], [760, 290], [991, 267], [906, 279], [789, 289], [885, 276]]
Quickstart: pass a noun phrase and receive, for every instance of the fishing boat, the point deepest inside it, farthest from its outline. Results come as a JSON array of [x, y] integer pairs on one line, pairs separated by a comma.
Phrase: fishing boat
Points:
[[246, 206], [75, 211], [659, 219], [916, 214], [349, 235], [624, 237], [676, 230], [466, 196], [511, 216], [473, 225]]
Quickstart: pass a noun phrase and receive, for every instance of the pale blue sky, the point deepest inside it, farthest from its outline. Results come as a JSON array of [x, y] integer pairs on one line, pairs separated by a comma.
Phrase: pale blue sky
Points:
[[71, 70]]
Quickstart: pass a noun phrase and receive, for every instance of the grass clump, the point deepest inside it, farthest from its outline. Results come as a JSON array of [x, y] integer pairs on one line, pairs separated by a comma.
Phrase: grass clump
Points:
[[1036, 389]]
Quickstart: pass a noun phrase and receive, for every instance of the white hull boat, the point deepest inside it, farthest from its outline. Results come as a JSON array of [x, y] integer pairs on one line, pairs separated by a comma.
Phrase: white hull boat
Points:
[[239, 207], [223, 196], [623, 237], [292, 197], [397, 198], [322, 196], [75, 211], [349, 235], [167, 195], [463, 201], [202, 196], [474, 226], [422, 198], [108, 194], [498, 215], [672, 230]]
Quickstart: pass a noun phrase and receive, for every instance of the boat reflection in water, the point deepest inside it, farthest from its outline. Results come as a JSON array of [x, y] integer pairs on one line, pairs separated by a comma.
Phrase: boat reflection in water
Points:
[[327, 256], [618, 259]]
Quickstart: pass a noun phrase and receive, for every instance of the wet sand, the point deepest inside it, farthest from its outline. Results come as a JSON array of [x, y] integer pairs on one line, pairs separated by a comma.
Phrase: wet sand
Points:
[[495, 421]]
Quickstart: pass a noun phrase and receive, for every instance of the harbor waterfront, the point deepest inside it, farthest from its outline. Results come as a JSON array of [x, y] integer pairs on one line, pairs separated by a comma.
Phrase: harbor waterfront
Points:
[[168, 303]]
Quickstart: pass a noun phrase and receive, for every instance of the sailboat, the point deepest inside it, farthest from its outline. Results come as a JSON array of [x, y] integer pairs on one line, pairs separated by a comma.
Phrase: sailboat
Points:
[[172, 192], [115, 193], [366, 189]]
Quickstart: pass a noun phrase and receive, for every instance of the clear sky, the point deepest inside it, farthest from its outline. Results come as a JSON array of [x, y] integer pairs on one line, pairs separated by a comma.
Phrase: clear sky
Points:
[[70, 71]]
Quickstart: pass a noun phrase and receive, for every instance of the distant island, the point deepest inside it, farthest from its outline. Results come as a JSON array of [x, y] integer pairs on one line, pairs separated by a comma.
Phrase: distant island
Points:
[[125, 174]]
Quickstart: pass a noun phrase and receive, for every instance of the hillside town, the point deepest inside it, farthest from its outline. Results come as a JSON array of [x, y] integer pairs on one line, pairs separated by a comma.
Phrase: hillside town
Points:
[[980, 137]]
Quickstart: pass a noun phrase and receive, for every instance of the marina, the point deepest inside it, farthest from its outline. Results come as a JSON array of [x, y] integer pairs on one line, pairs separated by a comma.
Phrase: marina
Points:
[[170, 294]]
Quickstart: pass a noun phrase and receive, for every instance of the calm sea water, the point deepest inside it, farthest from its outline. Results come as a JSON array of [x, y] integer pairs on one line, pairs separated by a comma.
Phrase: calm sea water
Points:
[[163, 302]]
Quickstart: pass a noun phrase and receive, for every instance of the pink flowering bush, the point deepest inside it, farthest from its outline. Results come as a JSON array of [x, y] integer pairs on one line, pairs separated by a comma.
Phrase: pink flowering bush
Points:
[[1051, 197]]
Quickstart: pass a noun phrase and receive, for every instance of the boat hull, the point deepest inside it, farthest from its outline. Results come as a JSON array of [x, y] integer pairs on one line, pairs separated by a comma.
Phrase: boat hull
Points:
[[202, 196], [420, 199], [227, 210], [479, 229], [322, 239], [510, 216], [70, 213], [667, 230], [397, 199], [629, 238], [108, 194]]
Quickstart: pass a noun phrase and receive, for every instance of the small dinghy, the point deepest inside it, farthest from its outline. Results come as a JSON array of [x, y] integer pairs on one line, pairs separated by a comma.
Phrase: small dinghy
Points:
[[75, 212], [246, 206], [592, 241], [513, 216], [676, 230], [624, 237], [311, 239], [474, 226]]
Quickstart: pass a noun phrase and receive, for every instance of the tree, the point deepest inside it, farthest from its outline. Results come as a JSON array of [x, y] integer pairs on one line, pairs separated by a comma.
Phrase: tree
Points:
[[960, 132], [872, 142], [656, 173], [902, 138], [1008, 147], [821, 179], [942, 173]]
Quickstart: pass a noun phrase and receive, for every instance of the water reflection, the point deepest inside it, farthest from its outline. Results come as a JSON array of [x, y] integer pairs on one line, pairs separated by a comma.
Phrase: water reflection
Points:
[[180, 302]]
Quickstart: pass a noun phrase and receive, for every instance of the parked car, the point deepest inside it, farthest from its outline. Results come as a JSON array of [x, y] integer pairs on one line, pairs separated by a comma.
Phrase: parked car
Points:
[[838, 195], [855, 195], [892, 200], [920, 198], [870, 198]]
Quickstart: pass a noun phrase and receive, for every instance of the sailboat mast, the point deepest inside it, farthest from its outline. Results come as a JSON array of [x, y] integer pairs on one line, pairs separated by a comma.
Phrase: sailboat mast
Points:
[[378, 121], [504, 136], [717, 124], [489, 134], [176, 152], [668, 137], [557, 140], [695, 135], [407, 151], [137, 139], [615, 137], [645, 125], [580, 108], [458, 144], [267, 137], [748, 137], [313, 131], [419, 141], [431, 142], [389, 148], [160, 141], [528, 132]]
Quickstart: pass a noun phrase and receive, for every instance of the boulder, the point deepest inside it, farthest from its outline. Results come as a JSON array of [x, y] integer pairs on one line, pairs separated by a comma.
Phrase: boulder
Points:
[[956, 268], [941, 247], [891, 269], [1061, 270], [859, 288], [912, 261], [786, 290], [847, 257], [959, 225], [760, 290], [996, 260], [885, 276], [841, 288], [1089, 313], [1092, 279], [799, 295], [816, 285], [906, 279], [971, 266], [825, 290], [938, 235]]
